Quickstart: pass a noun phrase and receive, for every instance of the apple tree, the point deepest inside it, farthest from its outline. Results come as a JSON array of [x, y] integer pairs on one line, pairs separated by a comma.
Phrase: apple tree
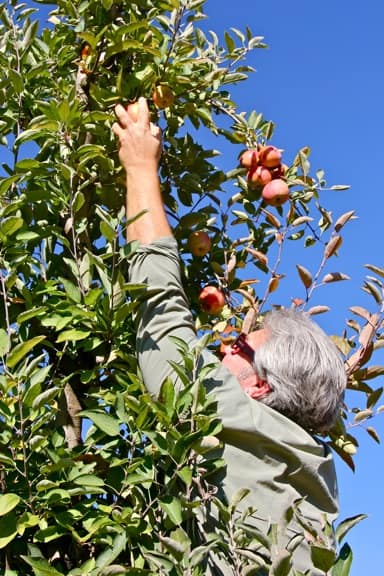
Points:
[[96, 476]]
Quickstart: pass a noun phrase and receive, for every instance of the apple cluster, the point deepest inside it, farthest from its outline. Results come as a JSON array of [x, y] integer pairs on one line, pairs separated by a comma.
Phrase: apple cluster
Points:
[[265, 169]]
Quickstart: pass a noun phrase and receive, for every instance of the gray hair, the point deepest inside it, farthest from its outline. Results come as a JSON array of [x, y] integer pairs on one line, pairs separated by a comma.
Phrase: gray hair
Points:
[[304, 369]]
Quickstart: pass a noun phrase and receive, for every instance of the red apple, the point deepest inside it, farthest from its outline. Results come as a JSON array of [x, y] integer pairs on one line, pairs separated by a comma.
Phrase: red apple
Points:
[[260, 176], [249, 159], [276, 192], [199, 243], [212, 299], [270, 156], [163, 96]]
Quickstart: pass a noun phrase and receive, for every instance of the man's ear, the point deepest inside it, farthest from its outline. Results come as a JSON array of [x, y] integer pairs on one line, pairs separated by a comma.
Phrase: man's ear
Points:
[[259, 389]]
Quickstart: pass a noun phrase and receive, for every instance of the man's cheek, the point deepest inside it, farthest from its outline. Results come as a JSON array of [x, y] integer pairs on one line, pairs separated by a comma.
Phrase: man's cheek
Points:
[[234, 363]]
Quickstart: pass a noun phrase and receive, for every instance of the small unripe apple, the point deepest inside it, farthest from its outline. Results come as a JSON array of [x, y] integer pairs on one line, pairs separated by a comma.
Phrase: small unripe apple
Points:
[[249, 159], [276, 192], [260, 176], [163, 96], [199, 243], [133, 111], [212, 299], [270, 156]]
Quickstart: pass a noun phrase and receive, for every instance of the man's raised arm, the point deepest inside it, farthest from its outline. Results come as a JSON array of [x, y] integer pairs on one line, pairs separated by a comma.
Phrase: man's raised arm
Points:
[[165, 310], [139, 152]]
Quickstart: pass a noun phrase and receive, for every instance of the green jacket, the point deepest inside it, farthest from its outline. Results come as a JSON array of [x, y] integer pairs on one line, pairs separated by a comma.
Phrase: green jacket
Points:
[[265, 452]]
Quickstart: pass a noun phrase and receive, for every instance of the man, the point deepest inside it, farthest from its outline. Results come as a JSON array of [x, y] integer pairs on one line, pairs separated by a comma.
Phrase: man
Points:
[[275, 388]]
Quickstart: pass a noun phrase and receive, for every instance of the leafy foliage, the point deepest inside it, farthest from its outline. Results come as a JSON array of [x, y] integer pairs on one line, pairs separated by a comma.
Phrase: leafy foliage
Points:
[[96, 477]]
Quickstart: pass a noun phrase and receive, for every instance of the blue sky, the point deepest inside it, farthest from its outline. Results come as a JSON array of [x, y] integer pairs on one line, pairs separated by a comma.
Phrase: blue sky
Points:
[[321, 82]]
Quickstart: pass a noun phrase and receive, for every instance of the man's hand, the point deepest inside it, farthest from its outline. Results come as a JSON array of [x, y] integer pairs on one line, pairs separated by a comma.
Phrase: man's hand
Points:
[[139, 152], [139, 139]]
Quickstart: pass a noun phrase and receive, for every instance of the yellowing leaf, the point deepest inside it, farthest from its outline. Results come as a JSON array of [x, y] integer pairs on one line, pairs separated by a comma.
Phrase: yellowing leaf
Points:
[[335, 277], [332, 246], [375, 269], [373, 434], [343, 220], [318, 310], [305, 276], [258, 255], [273, 284], [271, 219], [301, 220], [362, 415]]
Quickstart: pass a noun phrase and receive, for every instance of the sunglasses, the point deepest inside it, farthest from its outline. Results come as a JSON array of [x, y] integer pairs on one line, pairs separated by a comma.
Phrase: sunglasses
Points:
[[241, 345]]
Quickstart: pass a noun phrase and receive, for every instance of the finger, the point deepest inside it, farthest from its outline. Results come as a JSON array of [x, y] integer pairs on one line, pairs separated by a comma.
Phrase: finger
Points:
[[117, 129], [143, 112], [122, 115], [155, 131]]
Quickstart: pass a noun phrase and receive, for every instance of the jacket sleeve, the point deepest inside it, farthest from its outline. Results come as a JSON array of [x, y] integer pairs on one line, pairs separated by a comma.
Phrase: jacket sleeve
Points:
[[163, 311]]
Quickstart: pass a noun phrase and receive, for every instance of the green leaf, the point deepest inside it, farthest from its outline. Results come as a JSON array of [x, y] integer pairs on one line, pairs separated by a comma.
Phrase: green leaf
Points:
[[8, 530], [45, 397], [323, 558], [71, 290], [238, 497], [229, 42], [6, 183], [45, 130], [167, 395], [4, 342], [128, 45], [10, 225], [8, 502], [21, 350], [17, 80], [107, 231], [78, 201], [343, 563], [112, 552], [186, 475], [161, 561], [105, 422], [73, 335], [27, 520], [282, 564], [41, 567], [346, 525], [50, 533], [88, 480], [32, 313], [172, 507]]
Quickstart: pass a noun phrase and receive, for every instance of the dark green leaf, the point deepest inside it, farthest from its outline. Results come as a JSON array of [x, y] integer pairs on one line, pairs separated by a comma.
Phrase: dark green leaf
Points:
[[343, 564]]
